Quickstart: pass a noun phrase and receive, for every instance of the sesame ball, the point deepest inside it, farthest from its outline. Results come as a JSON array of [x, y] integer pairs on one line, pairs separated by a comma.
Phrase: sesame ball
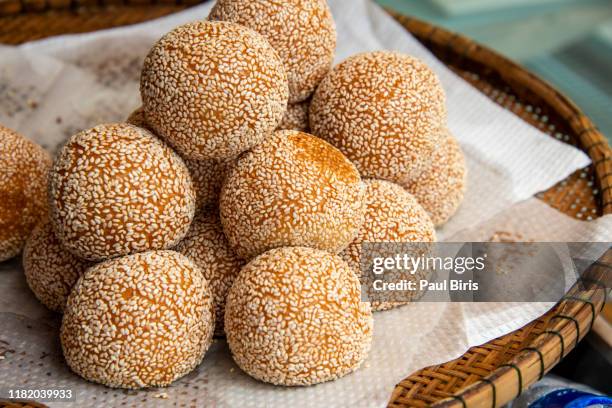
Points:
[[440, 188], [392, 215], [383, 110], [213, 89], [50, 270], [207, 175], [24, 167], [294, 316], [137, 118], [293, 189], [208, 248], [296, 117], [117, 189], [303, 33], [143, 320]]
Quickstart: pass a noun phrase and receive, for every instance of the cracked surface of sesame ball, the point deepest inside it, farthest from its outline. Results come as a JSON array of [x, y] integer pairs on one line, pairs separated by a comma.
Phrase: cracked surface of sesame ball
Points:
[[50, 269], [142, 320], [392, 215], [383, 110], [206, 245], [303, 33], [293, 189], [117, 189], [207, 175], [441, 187], [294, 316], [24, 167], [296, 117], [213, 89]]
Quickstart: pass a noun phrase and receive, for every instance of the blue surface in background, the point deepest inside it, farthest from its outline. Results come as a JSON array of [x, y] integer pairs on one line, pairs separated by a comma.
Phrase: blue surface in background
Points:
[[570, 398]]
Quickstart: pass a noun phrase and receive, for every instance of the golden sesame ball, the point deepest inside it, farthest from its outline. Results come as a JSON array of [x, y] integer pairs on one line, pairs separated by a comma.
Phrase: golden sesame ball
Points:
[[293, 189], [303, 33], [294, 316], [213, 89], [383, 110], [117, 189], [296, 117], [24, 167], [208, 248], [392, 215], [143, 320], [137, 118], [207, 175], [50, 270], [440, 188]]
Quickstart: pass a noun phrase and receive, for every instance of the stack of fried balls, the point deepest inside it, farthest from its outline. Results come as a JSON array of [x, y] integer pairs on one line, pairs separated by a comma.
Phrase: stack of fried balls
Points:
[[211, 212]]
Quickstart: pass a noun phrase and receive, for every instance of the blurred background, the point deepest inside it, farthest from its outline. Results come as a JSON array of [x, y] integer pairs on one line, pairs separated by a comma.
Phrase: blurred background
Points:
[[566, 42]]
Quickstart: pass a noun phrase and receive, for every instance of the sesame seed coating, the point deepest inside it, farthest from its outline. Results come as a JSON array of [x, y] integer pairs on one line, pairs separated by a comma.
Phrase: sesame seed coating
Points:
[[294, 316], [440, 188], [117, 189], [137, 118], [213, 89], [392, 215], [207, 175], [293, 189], [208, 248], [50, 270], [303, 33], [296, 117], [24, 167], [383, 110], [142, 320]]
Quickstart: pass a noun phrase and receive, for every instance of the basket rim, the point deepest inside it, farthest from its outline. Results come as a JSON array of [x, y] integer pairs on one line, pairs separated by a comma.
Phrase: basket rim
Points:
[[574, 314]]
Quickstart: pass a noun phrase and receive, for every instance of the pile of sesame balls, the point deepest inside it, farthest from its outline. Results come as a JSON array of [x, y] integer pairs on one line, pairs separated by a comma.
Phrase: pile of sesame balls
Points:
[[211, 212]]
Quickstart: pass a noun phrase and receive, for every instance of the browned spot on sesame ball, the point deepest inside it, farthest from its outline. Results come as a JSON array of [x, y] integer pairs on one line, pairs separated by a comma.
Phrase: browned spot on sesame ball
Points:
[[303, 33], [213, 89], [207, 175], [117, 189], [392, 216], [143, 320], [383, 110], [208, 248], [50, 270], [296, 117], [294, 316], [441, 187], [24, 167], [293, 189]]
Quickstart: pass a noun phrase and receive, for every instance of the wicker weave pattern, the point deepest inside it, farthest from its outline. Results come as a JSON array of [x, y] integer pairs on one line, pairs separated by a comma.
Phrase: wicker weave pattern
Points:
[[487, 375], [14, 7], [21, 27]]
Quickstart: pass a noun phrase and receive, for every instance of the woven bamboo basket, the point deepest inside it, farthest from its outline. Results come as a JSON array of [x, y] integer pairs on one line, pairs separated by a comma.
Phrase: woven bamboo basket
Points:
[[494, 373]]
